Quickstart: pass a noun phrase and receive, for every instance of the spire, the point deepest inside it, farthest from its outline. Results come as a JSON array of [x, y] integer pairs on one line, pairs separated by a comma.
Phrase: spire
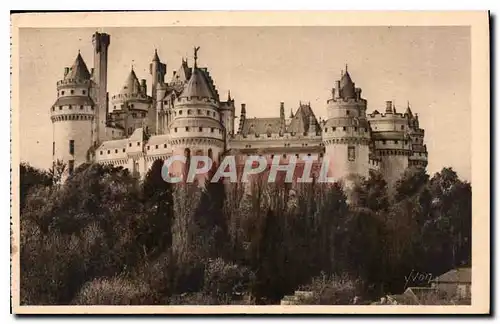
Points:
[[228, 95], [78, 70], [408, 109], [155, 57]]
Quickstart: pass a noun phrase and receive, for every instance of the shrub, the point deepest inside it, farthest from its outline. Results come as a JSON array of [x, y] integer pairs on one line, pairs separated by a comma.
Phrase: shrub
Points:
[[115, 291]]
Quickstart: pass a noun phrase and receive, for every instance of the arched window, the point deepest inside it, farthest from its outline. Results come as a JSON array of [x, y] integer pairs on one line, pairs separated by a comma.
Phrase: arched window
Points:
[[189, 112]]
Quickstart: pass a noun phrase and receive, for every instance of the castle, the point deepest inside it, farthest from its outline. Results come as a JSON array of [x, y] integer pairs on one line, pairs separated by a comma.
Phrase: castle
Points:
[[186, 115]]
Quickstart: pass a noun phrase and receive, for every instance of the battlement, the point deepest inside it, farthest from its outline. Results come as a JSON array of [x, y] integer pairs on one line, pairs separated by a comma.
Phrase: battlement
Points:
[[196, 101], [135, 96], [72, 82]]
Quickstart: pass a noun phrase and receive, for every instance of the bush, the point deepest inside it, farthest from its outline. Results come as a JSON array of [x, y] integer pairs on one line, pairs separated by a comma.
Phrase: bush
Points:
[[115, 291], [331, 290]]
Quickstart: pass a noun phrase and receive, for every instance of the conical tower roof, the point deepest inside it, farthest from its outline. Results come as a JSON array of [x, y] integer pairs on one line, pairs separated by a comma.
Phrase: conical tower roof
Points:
[[183, 73], [156, 58], [347, 86], [197, 86], [78, 70], [131, 85]]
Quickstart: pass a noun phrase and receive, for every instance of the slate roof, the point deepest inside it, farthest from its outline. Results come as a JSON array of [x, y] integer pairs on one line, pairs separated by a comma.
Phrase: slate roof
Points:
[[78, 70]]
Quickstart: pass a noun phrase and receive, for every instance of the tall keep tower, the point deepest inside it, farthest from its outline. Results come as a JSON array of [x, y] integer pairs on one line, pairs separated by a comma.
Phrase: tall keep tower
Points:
[[72, 116], [101, 43], [346, 133]]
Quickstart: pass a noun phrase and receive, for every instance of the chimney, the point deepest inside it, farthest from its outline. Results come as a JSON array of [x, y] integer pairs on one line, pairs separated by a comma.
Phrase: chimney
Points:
[[282, 110], [388, 106], [337, 89]]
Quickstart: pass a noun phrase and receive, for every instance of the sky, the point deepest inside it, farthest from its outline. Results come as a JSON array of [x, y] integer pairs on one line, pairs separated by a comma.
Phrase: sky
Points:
[[429, 67]]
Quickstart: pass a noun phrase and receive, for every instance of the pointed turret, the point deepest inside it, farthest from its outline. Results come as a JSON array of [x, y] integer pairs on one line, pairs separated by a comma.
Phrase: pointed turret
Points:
[[408, 112], [198, 86], [156, 58], [347, 88], [78, 71], [131, 85]]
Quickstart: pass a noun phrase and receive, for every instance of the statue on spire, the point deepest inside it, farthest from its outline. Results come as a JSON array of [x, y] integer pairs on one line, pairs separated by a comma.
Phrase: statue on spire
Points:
[[196, 49]]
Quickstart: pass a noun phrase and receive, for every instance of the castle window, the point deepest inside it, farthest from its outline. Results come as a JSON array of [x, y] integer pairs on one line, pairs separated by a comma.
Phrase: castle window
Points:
[[164, 145], [129, 144], [199, 112], [62, 93], [351, 153], [70, 107], [71, 166], [334, 129], [213, 113], [284, 156], [132, 106], [326, 130], [187, 129], [71, 147], [189, 112], [116, 151], [208, 113], [165, 102], [121, 106], [406, 141], [109, 151], [81, 107], [175, 129], [383, 142], [180, 112], [308, 154], [212, 130], [355, 129], [72, 91], [134, 115], [123, 150], [402, 127], [148, 148], [156, 146], [138, 143], [100, 152], [344, 128], [347, 112], [396, 142], [320, 155], [200, 129], [83, 92], [53, 108], [92, 107]]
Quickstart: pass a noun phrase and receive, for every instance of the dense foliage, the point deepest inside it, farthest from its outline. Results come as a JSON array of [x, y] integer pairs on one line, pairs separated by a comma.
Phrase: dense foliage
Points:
[[106, 237]]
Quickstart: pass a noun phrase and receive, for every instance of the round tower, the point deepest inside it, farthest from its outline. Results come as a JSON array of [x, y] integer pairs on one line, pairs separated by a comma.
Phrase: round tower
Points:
[[346, 133], [132, 108], [196, 126], [72, 116], [392, 141]]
